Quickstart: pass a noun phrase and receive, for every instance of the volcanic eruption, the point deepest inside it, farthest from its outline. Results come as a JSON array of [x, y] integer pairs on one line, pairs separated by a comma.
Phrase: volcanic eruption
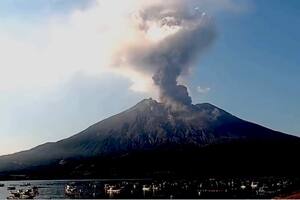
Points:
[[163, 40], [174, 35]]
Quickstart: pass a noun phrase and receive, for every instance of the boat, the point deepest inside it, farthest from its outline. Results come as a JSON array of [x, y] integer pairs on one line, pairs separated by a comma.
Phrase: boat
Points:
[[11, 188], [2, 185], [24, 194], [146, 188], [25, 184], [113, 190], [70, 190]]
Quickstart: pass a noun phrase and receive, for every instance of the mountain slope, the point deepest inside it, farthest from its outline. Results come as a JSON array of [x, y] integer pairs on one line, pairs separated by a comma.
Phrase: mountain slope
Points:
[[151, 127]]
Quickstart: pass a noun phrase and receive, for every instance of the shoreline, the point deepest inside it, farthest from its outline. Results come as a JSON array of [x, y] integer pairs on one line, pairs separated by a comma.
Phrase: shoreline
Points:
[[292, 195]]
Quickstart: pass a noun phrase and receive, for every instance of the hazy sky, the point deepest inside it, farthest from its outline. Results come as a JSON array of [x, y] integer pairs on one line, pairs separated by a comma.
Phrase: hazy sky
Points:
[[54, 79]]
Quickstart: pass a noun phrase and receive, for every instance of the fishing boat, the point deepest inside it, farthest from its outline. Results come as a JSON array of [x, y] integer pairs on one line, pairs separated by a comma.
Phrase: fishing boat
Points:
[[23, 194], [71, 190]]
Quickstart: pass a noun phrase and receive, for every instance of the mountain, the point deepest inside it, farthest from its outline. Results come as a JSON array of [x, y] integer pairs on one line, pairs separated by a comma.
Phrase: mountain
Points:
[[150, 138]]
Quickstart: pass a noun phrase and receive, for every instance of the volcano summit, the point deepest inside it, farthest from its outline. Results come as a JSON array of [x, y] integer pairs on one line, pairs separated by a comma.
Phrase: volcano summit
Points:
[[151, 138]]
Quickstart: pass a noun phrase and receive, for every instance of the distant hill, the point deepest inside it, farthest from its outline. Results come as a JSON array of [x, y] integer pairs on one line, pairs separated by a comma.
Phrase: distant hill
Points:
[[150, 139]]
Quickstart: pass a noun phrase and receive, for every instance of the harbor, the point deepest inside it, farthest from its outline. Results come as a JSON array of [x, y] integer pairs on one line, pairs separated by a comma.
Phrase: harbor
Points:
[[209, 187]]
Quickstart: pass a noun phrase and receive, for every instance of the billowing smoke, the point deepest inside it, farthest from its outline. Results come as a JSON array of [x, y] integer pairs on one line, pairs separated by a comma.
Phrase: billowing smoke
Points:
[[147, 41], [170, 38]]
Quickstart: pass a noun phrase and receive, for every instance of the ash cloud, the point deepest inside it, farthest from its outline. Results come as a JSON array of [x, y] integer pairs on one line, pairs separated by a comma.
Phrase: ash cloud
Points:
[[174, 36]]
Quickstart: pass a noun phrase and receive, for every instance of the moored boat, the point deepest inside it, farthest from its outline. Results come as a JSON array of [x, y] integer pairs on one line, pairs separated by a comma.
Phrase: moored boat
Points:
[[71, 190], [11, 188], [23, 194]]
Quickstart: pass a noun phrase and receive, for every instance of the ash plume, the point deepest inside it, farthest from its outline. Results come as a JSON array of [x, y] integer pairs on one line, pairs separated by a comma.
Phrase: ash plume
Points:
[[174, 35]]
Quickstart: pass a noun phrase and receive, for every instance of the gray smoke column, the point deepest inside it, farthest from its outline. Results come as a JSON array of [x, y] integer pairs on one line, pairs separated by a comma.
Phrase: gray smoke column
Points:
[[190, 32]]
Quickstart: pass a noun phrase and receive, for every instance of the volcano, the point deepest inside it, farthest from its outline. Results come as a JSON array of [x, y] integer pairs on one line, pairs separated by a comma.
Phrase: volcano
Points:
[[151, 139]]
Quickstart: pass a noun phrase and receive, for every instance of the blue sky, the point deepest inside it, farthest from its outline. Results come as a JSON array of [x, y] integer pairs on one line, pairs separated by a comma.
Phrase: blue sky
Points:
[[253, 68], [252, 71]]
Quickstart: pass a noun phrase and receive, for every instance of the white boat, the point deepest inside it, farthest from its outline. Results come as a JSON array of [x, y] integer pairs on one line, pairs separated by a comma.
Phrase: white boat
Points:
[[146, 188], [112, 189], [70, 190], [23, 194]]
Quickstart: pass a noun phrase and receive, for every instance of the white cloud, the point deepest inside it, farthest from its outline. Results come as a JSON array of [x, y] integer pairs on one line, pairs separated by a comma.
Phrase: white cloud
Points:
[[84, 41], [203, 90]]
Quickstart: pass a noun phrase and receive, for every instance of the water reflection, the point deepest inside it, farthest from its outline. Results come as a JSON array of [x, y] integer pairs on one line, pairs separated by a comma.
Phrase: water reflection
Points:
[[267, 187]]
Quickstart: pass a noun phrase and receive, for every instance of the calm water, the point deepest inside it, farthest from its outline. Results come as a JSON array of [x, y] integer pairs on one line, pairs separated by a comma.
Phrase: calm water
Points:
[[267, 187], [55, 189], [47, 188]]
